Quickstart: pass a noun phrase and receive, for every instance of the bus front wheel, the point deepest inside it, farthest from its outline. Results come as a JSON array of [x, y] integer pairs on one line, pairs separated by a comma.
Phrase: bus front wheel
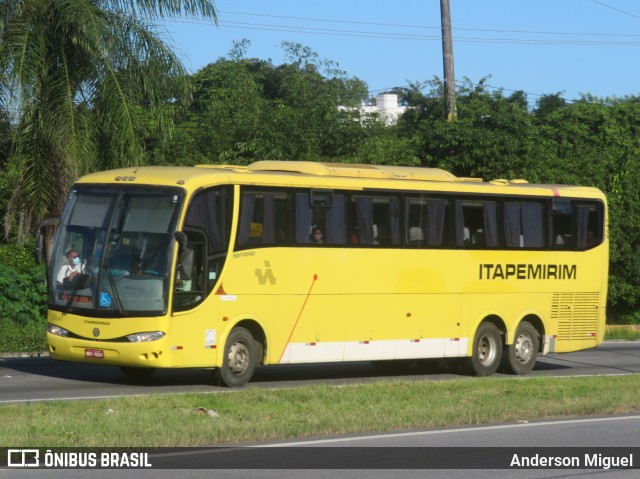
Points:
[[239, 361], [520, 356], [487, 350]]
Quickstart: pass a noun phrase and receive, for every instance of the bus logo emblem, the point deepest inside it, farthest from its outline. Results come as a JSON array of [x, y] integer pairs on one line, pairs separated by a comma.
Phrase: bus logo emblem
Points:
[[96, 332], [266, 275]]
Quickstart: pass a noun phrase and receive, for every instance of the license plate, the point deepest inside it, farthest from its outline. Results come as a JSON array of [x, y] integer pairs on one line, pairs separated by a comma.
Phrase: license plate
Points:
[[94, 353]]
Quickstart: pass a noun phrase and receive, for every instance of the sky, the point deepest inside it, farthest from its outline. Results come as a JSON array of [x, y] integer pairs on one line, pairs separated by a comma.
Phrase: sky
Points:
[[569, 47]]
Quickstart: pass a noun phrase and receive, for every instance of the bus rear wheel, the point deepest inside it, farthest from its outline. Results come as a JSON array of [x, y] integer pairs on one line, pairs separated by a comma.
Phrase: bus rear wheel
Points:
[[239, 361], [487, 350], [520, 356]]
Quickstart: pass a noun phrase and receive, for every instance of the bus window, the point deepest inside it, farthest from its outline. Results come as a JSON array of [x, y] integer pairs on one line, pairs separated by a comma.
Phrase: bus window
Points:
[[427, 221], [376, 219], [476, 223], [265, 218], [324, 210], [523, 224], [589, 225], [191, 285], [561, 224], [207, 226]]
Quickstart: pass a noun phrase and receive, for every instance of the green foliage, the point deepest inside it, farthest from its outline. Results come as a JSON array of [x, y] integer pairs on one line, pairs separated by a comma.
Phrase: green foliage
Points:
[[591, 142], [83, 78], [245, 110], [29, 337], [23, 302]]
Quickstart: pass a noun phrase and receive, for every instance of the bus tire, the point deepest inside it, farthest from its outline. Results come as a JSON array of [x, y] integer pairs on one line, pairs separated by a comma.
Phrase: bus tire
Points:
[[520, 356], [487, 350], [239, 360]]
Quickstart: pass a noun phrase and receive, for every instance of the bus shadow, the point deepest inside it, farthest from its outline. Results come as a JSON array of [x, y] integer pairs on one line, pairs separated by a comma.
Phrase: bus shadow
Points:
[[105, 374], [265, 376], [433, 369]]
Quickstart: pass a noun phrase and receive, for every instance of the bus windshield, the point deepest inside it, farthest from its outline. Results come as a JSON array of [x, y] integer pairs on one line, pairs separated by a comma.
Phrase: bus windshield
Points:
[[113, 251]]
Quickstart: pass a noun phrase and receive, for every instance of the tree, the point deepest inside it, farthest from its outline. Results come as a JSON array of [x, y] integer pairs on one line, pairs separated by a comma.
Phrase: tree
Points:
[[247, 109], [596, 142], [79, 74], [491, 137]]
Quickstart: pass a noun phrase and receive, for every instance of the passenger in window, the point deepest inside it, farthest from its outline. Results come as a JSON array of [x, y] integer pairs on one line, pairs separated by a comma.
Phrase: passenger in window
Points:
[[591, 240], [416, 236], [316, 236], [137, 267], [466, 235], [478, 237], [138, 270], [355, 236]]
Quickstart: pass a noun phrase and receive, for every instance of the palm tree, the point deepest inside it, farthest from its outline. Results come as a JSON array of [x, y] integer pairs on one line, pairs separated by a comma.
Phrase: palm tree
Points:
[[79, 79]]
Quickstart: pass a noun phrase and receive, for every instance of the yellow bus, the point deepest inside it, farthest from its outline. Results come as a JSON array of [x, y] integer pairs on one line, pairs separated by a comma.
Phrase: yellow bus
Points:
[[230, 268]]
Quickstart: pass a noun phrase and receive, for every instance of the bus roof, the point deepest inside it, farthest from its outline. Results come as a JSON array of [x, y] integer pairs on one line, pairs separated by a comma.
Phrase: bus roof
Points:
[[328, 175]]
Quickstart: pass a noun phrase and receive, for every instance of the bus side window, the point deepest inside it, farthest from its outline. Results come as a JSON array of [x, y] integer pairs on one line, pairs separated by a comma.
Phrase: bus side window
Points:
[[427, 221], [376, 218], [589, 225], [321, 210], [477, 223], [562, 224], [185, 269], [523, 224], [265, 218]]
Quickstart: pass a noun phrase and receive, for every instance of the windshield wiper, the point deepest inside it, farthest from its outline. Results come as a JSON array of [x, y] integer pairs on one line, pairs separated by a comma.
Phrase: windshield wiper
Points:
[[114, 289]]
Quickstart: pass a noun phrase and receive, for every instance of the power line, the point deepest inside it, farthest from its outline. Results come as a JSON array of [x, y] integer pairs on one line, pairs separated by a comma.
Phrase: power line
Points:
[[437, 28], [413, 37], [616, 9]]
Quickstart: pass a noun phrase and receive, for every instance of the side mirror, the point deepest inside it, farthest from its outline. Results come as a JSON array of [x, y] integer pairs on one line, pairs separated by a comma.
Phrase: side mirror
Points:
[[41, 246]]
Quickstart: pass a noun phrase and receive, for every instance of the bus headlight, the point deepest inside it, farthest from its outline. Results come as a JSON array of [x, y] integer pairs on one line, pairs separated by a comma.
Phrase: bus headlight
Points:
[[57, 330], [145, 337]]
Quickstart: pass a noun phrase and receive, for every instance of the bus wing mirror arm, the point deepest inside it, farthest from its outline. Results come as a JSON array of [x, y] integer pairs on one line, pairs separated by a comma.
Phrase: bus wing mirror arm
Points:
[[44, 239], [182, 241]]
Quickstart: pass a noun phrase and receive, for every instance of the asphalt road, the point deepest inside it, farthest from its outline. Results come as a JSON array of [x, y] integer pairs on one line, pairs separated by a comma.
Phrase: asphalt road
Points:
[[402, 455], [38, 379]]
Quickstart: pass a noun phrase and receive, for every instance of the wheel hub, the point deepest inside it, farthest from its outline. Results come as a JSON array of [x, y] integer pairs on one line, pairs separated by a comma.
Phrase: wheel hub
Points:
[[238, 358], [486, 350], [523, 348]]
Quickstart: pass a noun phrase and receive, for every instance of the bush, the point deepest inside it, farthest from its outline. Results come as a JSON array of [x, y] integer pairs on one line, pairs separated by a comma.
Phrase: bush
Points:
[[23, 303]]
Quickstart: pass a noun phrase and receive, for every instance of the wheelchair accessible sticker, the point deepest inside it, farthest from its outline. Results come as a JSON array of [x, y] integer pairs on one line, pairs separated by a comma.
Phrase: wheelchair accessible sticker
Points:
[[105, 300]]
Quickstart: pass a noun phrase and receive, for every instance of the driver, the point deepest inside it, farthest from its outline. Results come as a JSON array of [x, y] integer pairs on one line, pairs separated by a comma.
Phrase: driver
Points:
[[69, 271]]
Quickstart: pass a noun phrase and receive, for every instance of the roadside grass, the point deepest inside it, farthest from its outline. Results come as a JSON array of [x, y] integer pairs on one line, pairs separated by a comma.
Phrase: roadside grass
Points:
[[254, 414], [626, 332]]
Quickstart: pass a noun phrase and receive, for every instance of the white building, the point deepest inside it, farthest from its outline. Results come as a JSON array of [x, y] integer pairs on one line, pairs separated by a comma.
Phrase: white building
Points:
[[386, 108]]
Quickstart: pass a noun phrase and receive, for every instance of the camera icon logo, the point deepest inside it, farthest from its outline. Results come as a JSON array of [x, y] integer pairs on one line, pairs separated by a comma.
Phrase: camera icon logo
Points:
[[23, 458]]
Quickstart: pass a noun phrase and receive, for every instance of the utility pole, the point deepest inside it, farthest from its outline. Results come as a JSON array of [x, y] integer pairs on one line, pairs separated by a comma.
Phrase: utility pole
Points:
[[447, 59]]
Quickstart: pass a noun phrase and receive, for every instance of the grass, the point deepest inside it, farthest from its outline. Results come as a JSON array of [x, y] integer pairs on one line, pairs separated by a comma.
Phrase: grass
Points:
[[627, 332], [266, 414]]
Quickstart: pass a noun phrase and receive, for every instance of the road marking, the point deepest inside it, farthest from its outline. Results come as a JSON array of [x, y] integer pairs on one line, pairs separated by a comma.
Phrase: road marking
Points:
[[449, 431]]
